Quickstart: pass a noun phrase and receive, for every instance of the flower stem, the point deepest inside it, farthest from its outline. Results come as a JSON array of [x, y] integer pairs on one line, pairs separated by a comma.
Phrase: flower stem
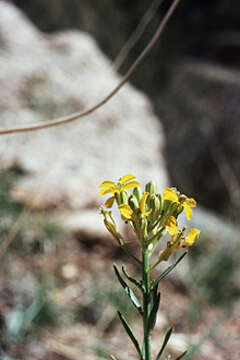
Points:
[[146, 305]]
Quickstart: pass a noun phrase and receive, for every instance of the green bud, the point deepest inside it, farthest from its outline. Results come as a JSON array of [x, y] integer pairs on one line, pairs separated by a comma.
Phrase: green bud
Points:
[[173, 209], [151, 187], [161, 202], [182, 198], [137, 192], [143, 227], [166, 204], [179, 209], [155, 206], [125, 196], [133, 203]]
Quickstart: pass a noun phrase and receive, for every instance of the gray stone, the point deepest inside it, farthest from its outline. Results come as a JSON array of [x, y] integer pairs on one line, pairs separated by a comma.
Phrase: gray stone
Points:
[[44, 77]]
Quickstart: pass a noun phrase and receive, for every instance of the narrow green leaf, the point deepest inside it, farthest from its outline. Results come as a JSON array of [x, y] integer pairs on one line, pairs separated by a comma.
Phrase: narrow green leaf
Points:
[[130, 334], [154, 294], [168, 270], [181, 356], [134, 281], [153, 314], [165, 341], [128, 291]]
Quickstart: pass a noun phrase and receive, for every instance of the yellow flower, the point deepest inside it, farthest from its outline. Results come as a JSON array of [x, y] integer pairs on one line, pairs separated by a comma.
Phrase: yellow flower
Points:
[[191, 237], [110, 187], [187, 203], [177, 241], [171, 225], [126, 211]]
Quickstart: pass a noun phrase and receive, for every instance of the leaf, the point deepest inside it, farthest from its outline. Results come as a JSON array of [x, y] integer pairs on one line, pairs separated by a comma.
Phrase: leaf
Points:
[[168, 270], [165, 341], [153, 314], [134, 281], [130, 334], [128, 291], [154, 294]]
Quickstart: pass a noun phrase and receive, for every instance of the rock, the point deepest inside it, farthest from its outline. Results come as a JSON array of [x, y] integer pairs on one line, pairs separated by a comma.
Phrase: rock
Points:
[[203, 134], [43, 77]]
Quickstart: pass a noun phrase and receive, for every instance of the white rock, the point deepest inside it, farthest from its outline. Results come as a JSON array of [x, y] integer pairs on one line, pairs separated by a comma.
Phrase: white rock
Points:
[[43, 77]]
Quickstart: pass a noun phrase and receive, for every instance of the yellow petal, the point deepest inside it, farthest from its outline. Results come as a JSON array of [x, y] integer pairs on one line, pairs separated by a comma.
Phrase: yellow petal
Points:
[[109, 202], [169, 194], [131, 184], [143, 202], [107, 190], [126, 211], [106, 183], [192, 236], [191, 202], [171, 225], [126, 178], [188, 210]]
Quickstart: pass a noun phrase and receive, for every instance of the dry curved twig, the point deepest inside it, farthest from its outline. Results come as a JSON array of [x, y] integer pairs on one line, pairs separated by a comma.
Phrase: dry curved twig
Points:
[[78, 115]]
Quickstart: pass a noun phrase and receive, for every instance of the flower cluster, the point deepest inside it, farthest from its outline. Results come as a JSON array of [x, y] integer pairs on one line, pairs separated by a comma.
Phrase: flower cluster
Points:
[[149, 213]]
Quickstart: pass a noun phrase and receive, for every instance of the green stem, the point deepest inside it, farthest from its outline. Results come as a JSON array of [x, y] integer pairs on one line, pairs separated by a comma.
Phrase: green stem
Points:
[[146, 305]]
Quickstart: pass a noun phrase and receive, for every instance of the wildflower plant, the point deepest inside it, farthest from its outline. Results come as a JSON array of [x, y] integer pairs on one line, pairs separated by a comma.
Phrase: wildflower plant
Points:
[[150, 215]]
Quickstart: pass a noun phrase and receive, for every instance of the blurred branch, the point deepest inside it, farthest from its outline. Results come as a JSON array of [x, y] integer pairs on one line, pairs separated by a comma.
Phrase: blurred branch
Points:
[[78, 115], [145, 20]]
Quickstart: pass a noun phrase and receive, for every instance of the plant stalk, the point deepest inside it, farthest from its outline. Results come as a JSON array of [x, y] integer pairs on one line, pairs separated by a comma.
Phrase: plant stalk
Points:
[[146, 305]]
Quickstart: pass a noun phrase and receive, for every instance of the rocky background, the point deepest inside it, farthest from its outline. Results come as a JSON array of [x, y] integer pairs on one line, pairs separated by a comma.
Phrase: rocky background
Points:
[[177, 124], [194, 81]]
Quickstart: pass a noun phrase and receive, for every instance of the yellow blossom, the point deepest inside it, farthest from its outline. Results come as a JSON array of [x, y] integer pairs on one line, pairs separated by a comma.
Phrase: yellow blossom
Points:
[[171, 225], [110, 187], [187, 203], [179, 240], [191, 237], [126, 211]]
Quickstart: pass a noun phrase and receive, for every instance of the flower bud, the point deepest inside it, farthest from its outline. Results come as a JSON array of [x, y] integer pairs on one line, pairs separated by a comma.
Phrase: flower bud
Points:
[[137, 192], [143, 227], [179, 209], [173, 209], [151, 187], [133, 203], [155, 205], [111, 226], [125, 197], [182, 198]]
